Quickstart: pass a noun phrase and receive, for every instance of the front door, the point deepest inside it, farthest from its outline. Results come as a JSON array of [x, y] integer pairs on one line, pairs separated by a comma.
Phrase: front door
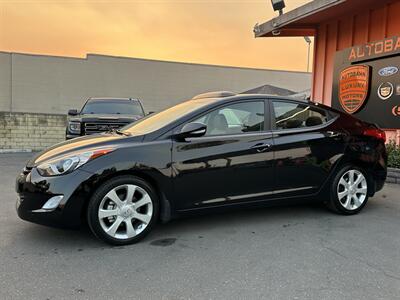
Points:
[[232, 163]]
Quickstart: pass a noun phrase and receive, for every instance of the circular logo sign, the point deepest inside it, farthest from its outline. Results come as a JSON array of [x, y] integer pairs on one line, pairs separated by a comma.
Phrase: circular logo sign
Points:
[[388, 71], [385, 90], [396, 110]]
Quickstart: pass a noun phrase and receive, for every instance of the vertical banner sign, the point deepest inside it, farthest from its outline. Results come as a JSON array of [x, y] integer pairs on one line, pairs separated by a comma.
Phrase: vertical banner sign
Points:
[[366, 82]]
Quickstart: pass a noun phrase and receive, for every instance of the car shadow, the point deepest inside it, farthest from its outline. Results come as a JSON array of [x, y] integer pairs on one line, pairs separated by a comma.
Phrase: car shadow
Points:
[[48, 237], [246, 217], [282, 217], [82, 237]]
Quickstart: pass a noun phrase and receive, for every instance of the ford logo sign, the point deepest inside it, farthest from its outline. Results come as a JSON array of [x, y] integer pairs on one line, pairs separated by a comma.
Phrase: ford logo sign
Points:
[[388, 71]]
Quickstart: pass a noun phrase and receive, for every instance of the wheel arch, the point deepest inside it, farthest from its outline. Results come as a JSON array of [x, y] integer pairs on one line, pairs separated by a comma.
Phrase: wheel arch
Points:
[[95, 183], [357, 162]]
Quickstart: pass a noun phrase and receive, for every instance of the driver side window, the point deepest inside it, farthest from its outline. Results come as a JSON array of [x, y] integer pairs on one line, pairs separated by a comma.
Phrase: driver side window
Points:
[[234, 119]]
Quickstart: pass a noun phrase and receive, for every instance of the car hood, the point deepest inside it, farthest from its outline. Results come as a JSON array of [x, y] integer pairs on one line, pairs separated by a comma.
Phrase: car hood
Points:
[[83, 143], [106, 118]]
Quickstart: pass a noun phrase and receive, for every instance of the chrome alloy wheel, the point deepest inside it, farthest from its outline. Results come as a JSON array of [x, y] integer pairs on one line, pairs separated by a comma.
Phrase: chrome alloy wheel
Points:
[[125, 211], [352, 189]]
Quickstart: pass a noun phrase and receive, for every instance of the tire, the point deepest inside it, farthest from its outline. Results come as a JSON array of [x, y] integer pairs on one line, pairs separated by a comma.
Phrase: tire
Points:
[[121, 201], [346, 198]]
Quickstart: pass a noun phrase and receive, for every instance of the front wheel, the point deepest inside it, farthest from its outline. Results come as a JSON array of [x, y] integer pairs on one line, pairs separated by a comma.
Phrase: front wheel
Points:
[[349, 191], [123, 210]]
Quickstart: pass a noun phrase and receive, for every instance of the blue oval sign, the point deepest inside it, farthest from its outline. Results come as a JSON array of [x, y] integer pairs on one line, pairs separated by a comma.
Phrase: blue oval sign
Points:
[[388, 71]]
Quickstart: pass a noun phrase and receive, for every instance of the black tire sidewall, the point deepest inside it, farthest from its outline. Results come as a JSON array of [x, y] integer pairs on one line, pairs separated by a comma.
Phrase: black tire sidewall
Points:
[[98, 195], [335, 203]]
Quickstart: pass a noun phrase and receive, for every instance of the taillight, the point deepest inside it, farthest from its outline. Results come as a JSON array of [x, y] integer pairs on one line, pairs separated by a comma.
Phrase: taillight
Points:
[[376, 133]]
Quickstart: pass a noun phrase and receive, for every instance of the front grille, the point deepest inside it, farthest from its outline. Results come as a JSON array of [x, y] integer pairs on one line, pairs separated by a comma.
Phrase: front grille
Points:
[[102, 127]]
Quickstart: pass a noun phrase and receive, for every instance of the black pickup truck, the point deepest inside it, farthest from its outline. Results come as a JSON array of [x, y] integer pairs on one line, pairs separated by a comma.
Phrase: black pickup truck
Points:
[[103, 114]]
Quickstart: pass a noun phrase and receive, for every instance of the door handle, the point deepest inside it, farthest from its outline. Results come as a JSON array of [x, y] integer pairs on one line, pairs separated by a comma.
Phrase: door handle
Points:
[[261, 147], [333, 134]]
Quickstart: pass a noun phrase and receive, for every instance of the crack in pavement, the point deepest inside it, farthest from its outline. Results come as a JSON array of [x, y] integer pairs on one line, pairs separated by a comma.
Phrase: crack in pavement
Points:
[[372, 266]]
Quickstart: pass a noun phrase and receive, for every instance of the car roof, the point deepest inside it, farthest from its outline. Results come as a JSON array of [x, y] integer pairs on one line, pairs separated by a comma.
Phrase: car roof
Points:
[[95, 99]]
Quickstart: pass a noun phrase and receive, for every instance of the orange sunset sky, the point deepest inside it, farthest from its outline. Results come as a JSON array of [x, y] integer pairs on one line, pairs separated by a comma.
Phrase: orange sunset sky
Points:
[[200, 31]]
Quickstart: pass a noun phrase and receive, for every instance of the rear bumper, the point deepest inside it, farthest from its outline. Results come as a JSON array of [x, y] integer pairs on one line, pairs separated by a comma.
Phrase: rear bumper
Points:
[[34, 191], [380, 171], [379, 179]]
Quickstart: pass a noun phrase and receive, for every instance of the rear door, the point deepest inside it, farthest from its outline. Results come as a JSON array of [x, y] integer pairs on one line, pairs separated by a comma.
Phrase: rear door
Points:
[[232, 163], [306, 145]]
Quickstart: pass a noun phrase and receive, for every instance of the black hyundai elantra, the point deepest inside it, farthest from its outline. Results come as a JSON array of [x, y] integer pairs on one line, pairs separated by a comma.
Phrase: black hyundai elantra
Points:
[[218, 150]]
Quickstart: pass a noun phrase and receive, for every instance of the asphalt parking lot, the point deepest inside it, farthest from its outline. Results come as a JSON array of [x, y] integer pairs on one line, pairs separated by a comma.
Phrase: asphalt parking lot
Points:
[[296, 252]]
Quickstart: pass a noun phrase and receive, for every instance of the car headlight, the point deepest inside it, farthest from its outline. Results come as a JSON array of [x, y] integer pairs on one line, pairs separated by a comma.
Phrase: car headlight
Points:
[[74, 127], [67, 163]]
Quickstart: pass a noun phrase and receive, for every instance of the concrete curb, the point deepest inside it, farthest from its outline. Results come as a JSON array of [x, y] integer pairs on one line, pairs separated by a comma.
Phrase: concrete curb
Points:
[[393, 175], [15, 150]]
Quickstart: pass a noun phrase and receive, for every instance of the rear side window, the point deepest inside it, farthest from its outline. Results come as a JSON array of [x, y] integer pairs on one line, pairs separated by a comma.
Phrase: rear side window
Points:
[[235, 118], [289, 115]]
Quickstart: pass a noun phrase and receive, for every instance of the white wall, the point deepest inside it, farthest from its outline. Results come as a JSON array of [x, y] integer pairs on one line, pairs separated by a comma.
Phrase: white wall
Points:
[[50, 84], [5, 81]]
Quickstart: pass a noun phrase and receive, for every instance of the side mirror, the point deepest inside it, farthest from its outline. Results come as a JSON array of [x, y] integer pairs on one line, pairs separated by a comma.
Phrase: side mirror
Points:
[[72, 112], [192, 130], [150, 112]]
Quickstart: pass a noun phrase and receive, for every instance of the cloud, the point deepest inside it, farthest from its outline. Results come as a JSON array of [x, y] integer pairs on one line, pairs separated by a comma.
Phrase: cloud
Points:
[[215, 32]]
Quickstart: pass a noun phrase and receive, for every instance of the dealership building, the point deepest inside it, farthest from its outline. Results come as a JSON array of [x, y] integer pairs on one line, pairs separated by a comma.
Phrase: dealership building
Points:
[[356, 65], [36, 91]]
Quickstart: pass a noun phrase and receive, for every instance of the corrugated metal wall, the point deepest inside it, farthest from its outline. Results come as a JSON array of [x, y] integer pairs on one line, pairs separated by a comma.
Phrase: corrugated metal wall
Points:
[[51, 84], [353, 29]]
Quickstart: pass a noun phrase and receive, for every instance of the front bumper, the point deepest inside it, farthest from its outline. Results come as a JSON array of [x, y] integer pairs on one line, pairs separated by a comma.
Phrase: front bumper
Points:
[[69, 136], [35, 190]]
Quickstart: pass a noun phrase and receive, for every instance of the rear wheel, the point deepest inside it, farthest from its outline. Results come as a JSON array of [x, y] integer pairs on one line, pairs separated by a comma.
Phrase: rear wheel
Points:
[[123, 210], [349, 191]]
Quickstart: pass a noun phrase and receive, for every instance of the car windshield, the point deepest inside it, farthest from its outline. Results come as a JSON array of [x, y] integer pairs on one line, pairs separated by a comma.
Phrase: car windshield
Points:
[[126, 107], [157, 121]]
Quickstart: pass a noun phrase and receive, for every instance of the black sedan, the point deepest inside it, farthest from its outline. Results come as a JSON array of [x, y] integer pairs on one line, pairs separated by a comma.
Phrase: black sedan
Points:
[[218, 150]]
